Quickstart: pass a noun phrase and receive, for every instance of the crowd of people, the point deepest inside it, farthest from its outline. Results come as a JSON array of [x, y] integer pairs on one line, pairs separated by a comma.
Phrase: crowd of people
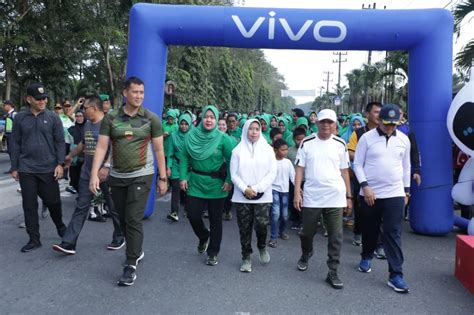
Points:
[[317, 170]]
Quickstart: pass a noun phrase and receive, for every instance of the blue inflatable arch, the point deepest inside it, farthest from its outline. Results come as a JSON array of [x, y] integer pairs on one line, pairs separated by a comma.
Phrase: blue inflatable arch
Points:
[[426, 34]]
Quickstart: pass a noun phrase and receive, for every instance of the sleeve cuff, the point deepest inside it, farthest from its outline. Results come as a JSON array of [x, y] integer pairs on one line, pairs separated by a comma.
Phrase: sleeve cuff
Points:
[[407, 190], [364, 184]]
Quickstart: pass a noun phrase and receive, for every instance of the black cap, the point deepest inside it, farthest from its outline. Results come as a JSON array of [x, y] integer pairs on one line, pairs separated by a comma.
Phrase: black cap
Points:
[[7, 102], [36, 90], [390, 114]]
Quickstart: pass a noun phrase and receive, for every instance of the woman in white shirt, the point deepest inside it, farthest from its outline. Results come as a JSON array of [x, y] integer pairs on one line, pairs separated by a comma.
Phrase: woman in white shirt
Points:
[[253, 169]]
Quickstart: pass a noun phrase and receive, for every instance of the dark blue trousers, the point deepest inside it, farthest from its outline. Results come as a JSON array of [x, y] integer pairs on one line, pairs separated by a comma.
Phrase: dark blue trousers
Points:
[[389, 213]]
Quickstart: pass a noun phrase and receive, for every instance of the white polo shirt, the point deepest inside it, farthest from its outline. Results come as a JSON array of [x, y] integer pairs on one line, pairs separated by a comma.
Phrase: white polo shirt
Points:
[[323, 160], [383, 162]]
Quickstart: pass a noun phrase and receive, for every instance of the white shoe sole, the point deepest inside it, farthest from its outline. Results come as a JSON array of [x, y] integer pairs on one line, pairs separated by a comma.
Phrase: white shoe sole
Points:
[[63, 250], [124, 284], [364, 271], [116, 247], [397, 289]]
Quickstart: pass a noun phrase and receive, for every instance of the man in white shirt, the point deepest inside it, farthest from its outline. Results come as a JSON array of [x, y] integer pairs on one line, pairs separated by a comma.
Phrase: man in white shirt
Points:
[[382, 167], [323, 161]]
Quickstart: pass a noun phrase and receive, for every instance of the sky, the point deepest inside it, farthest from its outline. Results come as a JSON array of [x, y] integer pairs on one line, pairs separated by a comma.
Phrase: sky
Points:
[[304, 69]]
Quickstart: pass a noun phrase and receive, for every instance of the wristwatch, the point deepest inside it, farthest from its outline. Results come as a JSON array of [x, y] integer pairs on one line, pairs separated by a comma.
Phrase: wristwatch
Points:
[[163, 179], [108, 165]]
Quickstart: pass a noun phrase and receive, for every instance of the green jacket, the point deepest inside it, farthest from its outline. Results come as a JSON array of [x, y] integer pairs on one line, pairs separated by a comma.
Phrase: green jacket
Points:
[[205, 186]]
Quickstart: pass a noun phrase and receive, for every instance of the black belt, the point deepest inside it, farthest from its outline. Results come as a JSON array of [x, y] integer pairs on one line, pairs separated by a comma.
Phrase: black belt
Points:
[[215, 174]]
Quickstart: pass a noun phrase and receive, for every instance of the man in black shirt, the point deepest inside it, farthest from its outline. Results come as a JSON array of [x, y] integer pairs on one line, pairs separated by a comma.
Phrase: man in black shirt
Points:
[[37, 160]]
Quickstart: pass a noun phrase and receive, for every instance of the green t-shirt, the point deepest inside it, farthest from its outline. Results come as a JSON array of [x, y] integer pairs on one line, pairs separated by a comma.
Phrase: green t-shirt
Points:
[[204, 186], [132, 150], [236, 133]]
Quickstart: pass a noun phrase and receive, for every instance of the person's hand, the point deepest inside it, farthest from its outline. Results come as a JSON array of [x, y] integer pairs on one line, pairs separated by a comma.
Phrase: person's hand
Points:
[[183, 185], [250, 193], [15, 175], [67, 161], [348, 209], [94, 184], [369, 196], [227, 187], [298, 200], [58, 172], [103, 174], [162, 187], [417, 179], [168, 172], [407, 198]]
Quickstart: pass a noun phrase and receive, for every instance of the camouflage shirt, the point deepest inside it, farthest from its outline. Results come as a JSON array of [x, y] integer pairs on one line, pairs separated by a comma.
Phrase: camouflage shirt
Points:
[[132, 151]]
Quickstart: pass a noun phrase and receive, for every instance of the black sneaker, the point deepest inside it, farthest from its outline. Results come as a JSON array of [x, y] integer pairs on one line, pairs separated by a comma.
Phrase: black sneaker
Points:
[[173, 216], [30, 246], [334, 280], [65, 248], [71, 190], [128, 277], [302, 264], [212, 260], [202, 246], [62, 231], [116, 244]]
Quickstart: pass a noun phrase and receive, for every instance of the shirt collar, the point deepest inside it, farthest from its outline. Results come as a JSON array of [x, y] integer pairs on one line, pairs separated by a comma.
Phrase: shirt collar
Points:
[[141, 111], [381, 133]]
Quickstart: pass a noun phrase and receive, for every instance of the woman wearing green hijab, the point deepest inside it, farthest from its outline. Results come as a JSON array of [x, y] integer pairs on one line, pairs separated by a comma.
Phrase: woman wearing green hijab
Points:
[[301, 122], [207, 151], [283, 125], [175, 146], [264, 120], [313, 119]]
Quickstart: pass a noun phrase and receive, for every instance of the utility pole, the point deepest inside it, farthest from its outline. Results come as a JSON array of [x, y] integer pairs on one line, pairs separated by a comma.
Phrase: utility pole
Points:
[[339, 61], [328, 73], [369, 58]]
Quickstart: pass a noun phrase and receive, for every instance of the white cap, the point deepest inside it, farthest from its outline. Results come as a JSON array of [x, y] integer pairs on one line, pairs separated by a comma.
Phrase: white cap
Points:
[[327, 114]]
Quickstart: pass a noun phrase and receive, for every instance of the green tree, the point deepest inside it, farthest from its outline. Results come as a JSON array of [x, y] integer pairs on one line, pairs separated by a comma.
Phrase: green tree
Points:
[[464, 58]]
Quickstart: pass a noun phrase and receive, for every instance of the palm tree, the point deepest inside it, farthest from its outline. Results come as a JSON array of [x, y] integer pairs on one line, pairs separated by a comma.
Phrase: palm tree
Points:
[[464, 58]]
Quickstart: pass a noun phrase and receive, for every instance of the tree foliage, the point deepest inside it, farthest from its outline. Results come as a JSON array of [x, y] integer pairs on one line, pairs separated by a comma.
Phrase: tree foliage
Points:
[[80, 47]]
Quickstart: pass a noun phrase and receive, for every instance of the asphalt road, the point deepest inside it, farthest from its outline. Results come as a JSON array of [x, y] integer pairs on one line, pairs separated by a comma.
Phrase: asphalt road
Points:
[[173, 278]]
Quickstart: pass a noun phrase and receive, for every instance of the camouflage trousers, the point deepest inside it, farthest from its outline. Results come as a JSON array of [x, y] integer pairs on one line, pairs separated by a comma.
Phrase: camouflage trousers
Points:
[[252, 216]]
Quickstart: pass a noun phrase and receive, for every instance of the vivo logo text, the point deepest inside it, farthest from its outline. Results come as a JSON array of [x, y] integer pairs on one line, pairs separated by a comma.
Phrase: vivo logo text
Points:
[[292, 35]]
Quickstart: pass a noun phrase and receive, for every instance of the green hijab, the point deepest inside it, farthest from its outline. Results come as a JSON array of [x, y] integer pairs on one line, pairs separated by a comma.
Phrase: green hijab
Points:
[[201, 143], [287, 132], [178, 137]]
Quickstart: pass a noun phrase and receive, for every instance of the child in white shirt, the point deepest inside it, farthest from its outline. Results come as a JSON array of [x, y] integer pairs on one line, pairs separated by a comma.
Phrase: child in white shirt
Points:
[[280, 190]]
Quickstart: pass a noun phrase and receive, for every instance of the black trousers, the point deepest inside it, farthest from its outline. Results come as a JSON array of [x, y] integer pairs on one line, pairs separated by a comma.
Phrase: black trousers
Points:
[[387, 213], [194, 208], [8, 138], [83, 203], [75, 174], [47, 188], [355, 187], [176, 195]]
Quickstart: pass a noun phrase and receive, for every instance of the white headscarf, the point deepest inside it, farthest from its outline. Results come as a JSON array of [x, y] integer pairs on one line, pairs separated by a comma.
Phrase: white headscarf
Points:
[[249, 149], [253, 164]]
